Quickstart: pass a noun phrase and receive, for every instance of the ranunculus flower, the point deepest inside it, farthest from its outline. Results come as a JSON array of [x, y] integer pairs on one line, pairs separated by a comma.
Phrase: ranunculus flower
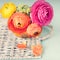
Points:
[[41, 13], [18, 23]]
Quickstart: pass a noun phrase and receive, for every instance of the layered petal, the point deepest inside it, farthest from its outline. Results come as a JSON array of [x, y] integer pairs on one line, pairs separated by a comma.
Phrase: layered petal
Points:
[[41, 13]]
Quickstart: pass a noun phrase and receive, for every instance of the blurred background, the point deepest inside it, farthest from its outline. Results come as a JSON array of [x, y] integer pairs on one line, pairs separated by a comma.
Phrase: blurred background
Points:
[[51, 45]]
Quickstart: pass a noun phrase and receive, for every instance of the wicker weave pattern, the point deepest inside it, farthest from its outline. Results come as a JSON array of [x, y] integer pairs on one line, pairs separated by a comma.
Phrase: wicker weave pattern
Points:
[[8, 42]]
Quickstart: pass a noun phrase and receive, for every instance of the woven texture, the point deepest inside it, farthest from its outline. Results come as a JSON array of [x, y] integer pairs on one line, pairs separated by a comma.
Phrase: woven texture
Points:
[[8, 42]]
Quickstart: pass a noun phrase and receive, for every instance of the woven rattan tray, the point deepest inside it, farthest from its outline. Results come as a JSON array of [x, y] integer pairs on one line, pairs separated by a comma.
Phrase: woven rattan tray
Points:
[[8, 41]]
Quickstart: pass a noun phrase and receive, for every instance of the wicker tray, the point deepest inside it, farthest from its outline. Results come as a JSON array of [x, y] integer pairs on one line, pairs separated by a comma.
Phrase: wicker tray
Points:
[[8, 42]]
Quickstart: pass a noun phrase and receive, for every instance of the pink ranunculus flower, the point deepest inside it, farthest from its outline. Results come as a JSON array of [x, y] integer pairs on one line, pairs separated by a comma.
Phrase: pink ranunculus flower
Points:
[[41, 13]]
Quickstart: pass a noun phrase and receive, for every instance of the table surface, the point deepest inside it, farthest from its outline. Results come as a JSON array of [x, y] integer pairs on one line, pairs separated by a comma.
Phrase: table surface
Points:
[[51, 45]]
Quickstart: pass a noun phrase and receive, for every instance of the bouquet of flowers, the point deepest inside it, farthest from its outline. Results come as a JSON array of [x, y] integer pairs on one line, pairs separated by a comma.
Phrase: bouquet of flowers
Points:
[[28, 22]]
